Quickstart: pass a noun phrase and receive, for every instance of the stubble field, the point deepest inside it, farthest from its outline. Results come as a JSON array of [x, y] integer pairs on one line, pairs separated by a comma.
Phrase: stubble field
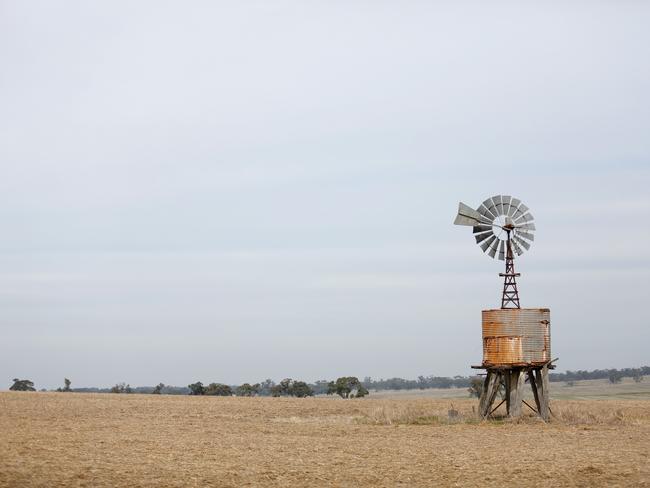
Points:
[[96, 440]]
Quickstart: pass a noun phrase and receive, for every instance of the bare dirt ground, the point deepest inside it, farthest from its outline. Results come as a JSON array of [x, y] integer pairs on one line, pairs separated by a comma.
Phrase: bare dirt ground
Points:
[[96, 440]]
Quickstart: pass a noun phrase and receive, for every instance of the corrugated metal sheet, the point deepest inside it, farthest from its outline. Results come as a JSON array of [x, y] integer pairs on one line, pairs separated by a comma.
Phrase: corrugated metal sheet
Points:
[[516, 336]]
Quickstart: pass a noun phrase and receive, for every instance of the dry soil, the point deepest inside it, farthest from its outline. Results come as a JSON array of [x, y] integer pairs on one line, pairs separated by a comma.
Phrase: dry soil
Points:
[[97, 440]]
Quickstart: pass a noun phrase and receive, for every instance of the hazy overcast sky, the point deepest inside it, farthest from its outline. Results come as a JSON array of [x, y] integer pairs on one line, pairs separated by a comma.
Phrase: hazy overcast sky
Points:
[[230, 191]]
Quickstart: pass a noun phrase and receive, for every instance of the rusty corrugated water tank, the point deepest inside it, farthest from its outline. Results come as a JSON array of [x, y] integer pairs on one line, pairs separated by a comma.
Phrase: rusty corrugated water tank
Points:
[[516, 336]]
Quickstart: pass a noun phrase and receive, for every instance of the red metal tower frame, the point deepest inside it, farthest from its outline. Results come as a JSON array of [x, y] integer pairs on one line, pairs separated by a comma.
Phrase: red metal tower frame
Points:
[[510, 297]]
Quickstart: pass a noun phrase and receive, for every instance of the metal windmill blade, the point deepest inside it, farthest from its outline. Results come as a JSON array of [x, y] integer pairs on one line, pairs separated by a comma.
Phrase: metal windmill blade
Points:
[[521, 242], [514, 203], [493, 248], [505, 204], [487, 204], [494, 201], [516, 247], [482, 232], [487, 215], [519, 211], [493, 251], [524, 218], [530, 226], [481, 237], [486, 244], [477, 229], [526, 235], [499, 200]]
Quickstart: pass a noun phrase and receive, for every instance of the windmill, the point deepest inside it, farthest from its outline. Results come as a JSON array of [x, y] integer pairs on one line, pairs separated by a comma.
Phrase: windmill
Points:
[[516, 341], [501, 224]]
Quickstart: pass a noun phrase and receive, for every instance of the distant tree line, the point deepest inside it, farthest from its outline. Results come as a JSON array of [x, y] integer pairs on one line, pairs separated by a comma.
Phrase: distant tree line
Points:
[[421, 383], [614, 375], [286, 388], [345, 387]]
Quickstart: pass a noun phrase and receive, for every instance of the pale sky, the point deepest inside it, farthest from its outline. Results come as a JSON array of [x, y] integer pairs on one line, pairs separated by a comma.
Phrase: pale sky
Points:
[[233, 191]]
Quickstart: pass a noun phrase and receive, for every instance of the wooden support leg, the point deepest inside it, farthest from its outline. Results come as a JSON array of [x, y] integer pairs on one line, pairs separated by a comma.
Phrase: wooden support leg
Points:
[[545, 412], [521, 381], [531, 380], [484, 395], [541, 376], [490, 388], [506, 384], [515, 393]]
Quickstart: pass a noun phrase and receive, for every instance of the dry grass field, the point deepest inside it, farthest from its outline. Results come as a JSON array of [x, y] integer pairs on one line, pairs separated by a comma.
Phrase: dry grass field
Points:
[[584, 389], [96, 440]]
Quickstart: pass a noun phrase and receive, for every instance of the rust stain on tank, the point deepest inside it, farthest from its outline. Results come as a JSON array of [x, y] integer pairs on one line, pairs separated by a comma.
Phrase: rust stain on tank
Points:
[[516, 336]]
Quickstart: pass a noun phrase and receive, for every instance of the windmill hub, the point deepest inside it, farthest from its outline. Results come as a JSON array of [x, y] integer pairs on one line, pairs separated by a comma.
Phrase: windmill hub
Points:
[[516, 341]]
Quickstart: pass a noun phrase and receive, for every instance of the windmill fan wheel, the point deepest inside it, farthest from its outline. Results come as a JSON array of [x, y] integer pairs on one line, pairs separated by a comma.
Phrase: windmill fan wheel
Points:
[[494, 220]]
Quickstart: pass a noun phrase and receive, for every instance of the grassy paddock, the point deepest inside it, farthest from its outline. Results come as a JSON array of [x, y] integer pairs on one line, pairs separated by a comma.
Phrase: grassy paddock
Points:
[[68, 439]]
